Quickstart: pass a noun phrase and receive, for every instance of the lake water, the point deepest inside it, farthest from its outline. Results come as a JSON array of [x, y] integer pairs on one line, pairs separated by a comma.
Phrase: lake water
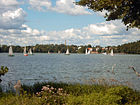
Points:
[[74, 68]]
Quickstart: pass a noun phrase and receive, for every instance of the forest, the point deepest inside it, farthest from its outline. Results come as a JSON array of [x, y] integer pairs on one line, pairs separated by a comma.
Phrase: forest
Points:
[[128, 48]]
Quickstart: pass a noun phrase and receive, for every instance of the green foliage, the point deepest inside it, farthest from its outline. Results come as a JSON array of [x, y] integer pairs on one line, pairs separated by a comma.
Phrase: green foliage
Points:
[[74, 89], [130, 48], [82, 49], [119, 95], [3, 70], [52, 95], [73, 94], [11, 99], [4, 48], [38, 86], [0, 90], [33, 89], [126, 10], [93, 99], [42, 48], [96, 94], [126, 94]]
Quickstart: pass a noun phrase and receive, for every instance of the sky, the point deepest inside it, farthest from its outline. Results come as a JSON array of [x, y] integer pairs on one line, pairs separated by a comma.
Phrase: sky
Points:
[[31, 22]]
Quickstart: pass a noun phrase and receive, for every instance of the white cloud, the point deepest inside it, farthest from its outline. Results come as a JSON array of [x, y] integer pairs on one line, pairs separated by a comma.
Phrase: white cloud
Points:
[[12, 19], [40, 5], [8, 3], [105, 28], [11, 15], [104, 34], [103, 13], [68, 6], [61, 6]]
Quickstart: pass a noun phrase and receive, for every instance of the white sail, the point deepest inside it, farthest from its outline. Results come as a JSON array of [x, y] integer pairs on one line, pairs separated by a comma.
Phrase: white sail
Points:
[[25, 54], [30, 51], [11, 51], [67, 52], [112, 54], [88, 52]]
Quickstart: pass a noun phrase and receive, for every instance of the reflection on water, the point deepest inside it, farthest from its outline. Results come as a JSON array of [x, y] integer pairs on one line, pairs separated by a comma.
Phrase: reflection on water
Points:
[[75, 68]]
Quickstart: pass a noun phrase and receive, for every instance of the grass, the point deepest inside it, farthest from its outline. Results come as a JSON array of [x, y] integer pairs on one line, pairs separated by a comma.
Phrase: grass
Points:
[[71, 94]]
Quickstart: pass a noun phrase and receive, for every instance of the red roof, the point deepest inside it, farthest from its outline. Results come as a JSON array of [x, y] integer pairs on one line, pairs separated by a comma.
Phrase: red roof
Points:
[[89, 48]]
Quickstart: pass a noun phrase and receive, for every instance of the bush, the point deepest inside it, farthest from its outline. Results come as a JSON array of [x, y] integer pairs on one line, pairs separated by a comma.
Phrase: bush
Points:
[[72, 94], [11, 99], [127, 94], [0, 90], [3, 70], [117, 95]]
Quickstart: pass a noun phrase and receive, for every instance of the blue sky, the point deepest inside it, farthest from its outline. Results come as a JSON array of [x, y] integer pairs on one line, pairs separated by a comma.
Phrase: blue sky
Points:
[[30, 22], [55, 21], [51, 20]]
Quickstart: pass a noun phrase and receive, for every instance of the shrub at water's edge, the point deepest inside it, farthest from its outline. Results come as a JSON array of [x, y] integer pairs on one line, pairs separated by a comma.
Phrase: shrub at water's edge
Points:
[[3, 70], [72, 94]]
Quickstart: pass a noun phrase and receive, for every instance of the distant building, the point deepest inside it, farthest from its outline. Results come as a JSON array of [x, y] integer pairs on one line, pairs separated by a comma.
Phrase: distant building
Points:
[[90, 49], [103, 48]]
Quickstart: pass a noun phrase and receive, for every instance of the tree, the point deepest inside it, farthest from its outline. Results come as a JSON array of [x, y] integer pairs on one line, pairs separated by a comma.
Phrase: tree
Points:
[[82, 49], [126, 10]]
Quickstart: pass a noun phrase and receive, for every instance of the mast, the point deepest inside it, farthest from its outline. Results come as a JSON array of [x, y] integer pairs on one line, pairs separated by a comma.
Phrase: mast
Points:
[[86, 51], [67, 52]]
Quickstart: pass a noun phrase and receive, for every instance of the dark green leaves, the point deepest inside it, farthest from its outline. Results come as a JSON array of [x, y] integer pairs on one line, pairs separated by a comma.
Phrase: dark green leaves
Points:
[[3, 70], [126, 10]]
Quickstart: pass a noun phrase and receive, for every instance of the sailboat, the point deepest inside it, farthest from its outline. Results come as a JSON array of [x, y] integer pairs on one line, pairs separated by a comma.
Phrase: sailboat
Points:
[[67, 52], [112, 54], [88, 52], [30, 51], [25, 54], [48, 52], [11, 51]]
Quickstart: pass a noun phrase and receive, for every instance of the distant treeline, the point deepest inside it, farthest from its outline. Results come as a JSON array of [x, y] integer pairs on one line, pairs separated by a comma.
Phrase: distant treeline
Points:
[[129, 48]]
